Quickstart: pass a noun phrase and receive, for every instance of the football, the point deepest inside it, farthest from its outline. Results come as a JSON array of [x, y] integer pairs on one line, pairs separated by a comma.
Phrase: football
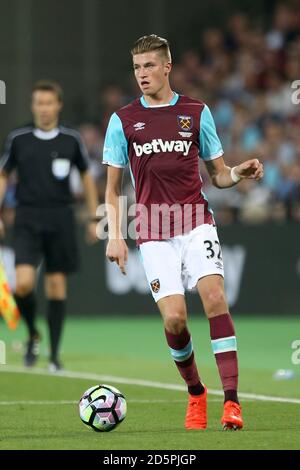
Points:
[[102, 407]]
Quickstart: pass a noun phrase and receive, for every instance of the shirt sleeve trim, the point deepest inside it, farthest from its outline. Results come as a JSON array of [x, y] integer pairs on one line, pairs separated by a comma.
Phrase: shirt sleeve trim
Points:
[[213, 157], [113, 164]]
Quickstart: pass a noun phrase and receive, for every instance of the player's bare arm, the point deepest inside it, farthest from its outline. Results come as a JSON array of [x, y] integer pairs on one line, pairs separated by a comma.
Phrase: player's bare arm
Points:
[[224, 177], [91, 198], [3, 186], [117, 249]]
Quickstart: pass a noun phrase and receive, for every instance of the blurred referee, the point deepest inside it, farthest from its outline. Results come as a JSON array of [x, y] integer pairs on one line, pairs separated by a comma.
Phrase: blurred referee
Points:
[[43, 155]]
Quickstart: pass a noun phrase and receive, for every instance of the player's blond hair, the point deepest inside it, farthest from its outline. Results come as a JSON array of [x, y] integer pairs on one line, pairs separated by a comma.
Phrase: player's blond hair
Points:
[[151, 43]]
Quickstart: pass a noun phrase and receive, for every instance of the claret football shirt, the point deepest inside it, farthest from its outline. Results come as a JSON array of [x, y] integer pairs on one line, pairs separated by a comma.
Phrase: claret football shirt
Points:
[[162, 145]]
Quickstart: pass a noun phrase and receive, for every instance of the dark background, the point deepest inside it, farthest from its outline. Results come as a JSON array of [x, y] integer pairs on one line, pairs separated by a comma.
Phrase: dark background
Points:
[[85, 44]]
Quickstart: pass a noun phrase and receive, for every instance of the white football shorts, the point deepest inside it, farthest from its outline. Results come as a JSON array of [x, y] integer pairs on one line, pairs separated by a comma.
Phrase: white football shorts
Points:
[[176, 264]]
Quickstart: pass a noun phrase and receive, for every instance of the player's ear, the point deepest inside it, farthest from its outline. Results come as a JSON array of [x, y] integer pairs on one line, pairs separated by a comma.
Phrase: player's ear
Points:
[[168, 68]]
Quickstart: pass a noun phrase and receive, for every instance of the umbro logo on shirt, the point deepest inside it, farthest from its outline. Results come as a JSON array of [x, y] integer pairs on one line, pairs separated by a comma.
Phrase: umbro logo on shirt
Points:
[[139, 126], [162, 146]]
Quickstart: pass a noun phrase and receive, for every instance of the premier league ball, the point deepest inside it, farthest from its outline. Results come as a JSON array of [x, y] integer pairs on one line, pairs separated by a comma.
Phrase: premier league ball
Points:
[[102, 407]]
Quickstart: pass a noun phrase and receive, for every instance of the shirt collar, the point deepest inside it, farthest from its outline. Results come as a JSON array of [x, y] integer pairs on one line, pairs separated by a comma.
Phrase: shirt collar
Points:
[[46, 135], [171, 103]]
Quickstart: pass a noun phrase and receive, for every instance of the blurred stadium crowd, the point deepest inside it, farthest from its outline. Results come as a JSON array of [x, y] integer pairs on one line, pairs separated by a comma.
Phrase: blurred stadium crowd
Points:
[[244, 72]]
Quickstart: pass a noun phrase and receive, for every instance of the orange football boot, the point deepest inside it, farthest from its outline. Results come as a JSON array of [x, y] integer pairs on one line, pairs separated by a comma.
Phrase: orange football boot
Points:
[[196, 413], [232, 416]]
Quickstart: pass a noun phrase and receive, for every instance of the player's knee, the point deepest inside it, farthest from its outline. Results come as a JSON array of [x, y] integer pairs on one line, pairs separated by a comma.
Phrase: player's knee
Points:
[[23, 288], [175, 322], [55, 287], [215, 300]]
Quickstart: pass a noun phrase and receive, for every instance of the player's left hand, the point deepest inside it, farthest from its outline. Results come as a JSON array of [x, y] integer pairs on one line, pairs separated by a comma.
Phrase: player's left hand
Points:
[[251, 169], [91, 233]]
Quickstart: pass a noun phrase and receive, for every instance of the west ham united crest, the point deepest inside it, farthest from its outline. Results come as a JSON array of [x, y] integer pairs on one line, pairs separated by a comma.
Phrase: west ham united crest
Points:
[[155, 285], [185, 122]]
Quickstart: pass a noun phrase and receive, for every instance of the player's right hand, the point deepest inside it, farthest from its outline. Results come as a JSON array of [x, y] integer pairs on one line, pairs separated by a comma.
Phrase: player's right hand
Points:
[[2, 229], [117, 251]]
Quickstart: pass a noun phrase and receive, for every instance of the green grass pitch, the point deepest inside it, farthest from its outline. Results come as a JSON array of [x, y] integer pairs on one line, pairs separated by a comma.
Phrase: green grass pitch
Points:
[[39, 411]]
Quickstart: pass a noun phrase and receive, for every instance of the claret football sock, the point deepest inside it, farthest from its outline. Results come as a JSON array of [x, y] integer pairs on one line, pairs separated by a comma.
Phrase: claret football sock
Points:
[[224, 346], [55, 316], [181, 348], [27, 308]]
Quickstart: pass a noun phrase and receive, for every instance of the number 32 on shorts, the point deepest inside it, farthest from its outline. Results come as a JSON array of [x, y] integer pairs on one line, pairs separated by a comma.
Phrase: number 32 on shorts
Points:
[[213, 249]]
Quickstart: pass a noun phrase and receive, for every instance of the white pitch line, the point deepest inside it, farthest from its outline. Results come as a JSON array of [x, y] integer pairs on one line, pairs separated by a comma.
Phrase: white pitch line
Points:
[[38, 402], [75, 402], [139, 382]]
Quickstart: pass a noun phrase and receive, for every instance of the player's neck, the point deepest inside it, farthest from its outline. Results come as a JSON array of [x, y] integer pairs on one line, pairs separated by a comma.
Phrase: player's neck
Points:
[[160, 98], [46, 127]]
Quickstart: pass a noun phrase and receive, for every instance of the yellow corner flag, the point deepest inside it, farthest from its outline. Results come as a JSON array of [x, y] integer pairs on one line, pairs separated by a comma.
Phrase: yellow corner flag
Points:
[[8, 307]]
